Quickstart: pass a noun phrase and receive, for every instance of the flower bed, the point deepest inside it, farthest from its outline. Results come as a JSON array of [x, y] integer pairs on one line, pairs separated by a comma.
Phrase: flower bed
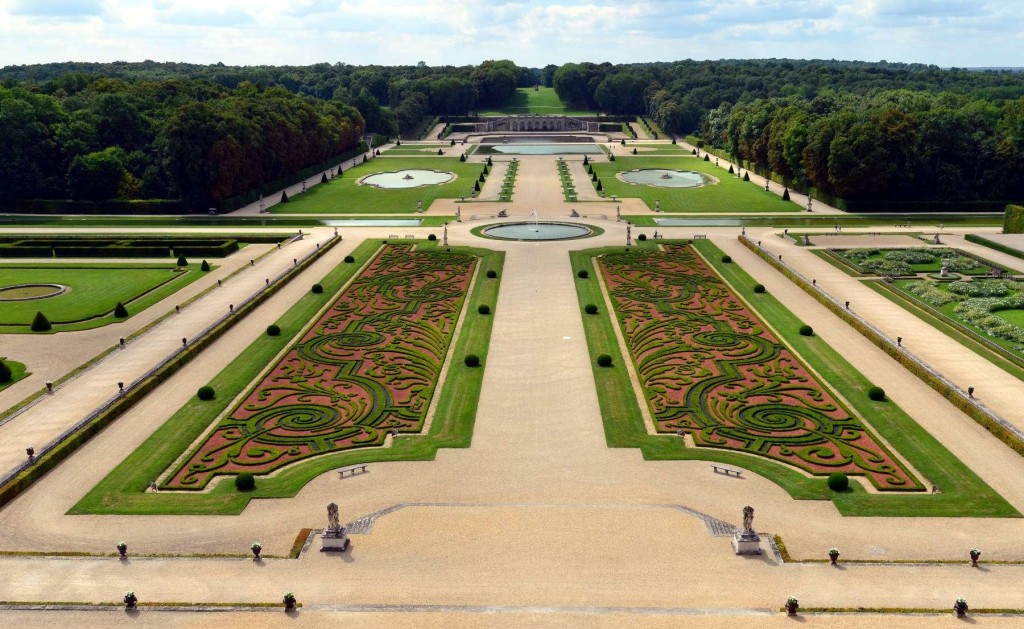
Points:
[[708, 366], [368, 366]]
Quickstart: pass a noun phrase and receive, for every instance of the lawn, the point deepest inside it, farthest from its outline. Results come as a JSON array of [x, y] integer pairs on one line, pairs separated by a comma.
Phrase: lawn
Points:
[[343, 195], [657, 149], [420, 150], [95, 289], [964, 494], [122, 490], [18, 371], [526, 100], [730, 194]]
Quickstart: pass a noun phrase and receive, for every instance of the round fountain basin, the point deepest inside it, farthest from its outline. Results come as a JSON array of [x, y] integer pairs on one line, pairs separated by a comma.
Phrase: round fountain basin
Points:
[[666, 178], [537, 231], [407, 179], [25, 292]]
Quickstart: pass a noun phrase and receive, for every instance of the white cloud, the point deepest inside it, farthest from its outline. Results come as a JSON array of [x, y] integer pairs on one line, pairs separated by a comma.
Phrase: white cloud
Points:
[[530, 32]]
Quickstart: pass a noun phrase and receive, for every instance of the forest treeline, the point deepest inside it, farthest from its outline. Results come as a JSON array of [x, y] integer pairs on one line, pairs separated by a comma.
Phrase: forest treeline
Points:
[[855, 130]]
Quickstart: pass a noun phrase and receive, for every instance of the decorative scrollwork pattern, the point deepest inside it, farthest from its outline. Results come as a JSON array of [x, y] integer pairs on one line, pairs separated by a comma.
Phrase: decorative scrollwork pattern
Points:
[[710, 367], [367, 366]]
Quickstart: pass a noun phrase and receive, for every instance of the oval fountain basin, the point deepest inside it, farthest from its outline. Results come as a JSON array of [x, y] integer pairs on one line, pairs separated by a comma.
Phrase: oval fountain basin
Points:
[[407, 179], [665, 178], [538, 231]]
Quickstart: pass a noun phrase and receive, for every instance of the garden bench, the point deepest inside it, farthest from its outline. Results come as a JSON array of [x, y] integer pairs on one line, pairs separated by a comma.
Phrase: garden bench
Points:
[[700, 236], [392, 235], [728, 471], [410, 237], [361, 467]]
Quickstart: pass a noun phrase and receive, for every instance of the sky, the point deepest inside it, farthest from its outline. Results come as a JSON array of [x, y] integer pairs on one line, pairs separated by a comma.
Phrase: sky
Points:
[[959, 33]]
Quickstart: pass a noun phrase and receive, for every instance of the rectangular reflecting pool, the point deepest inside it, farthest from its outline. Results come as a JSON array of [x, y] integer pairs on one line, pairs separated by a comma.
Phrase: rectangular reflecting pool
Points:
[[373, 222], [539, 149]]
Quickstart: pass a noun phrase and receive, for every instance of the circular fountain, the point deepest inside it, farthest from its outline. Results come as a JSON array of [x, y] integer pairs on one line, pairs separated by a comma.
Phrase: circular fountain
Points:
[[666, 178], [407, 179], [537, 230]]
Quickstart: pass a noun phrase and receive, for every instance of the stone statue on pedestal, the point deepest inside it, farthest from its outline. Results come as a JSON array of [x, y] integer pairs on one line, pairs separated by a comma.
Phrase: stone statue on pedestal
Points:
[[333, 537], [747, 541]]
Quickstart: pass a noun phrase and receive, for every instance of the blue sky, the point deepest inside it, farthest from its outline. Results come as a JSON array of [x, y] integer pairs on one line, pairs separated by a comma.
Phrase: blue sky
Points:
[[458, 32]]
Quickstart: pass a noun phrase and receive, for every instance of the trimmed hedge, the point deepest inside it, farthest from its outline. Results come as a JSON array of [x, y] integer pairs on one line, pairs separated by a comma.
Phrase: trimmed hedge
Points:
[[40, 323], [806, 330], [5, 372], [273, 330], [582, 274], [876, 393], [205, 266], [120, 311], [245, 481], [349, 259], [604, 360], [318, 288], [48, 460], [1013, 219], [491, 274], [838, 481], [206, 393], [590, 309], [758, 288], [955, 397], [181, 260], [727, 259], [483, 309], [472, 360]]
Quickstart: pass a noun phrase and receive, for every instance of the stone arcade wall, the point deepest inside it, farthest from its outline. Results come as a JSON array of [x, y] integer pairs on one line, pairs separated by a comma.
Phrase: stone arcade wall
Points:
[[536, 123]]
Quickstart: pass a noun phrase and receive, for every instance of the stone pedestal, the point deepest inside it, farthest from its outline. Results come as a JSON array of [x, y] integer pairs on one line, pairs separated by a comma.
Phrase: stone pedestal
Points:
[[746, 543], [334, 540]]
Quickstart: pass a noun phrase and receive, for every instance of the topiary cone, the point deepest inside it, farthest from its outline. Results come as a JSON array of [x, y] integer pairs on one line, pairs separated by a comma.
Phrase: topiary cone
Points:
[[40, 323]]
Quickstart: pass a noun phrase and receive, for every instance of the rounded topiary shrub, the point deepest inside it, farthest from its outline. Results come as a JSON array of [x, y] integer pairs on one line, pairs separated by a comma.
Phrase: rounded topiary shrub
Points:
[[472, 360], [40, 323], [491, 274], [273, 330], [483, 309], [205, 266], [182, 261], [5, 372], [838, 481], [604, 360], [642, 237], [349, 259], [727, 259], [806, 330], [876, 393], [120, 311], [758, 288], [432, 237], [206, 393], [582, 274], [318, 288], [590, 309], [245, 482]]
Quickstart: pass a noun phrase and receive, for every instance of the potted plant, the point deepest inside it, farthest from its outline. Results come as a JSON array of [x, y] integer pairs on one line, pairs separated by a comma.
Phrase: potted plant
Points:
[[960, 607], [792, 605], [289, 601], [833, 554], [130, 600], [975, 554], [256, 548], [122, 549]]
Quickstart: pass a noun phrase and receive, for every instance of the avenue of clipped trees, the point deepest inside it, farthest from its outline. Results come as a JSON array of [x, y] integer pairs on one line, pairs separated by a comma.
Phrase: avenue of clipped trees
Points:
[[856, 132]]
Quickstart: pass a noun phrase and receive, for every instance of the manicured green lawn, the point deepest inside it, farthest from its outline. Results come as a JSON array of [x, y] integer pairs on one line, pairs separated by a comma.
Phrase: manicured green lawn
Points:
[[95, 290], [964, 494], [728, 195], [18, 371], [420, 150], [658, 149], [343, 195], [526, 100], [122, 492]]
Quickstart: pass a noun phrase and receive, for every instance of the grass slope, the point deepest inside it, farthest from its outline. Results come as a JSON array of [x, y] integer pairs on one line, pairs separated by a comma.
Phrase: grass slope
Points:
[[729, 195], [95, 290], [122, 491], [526, 100], [964, 494]]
